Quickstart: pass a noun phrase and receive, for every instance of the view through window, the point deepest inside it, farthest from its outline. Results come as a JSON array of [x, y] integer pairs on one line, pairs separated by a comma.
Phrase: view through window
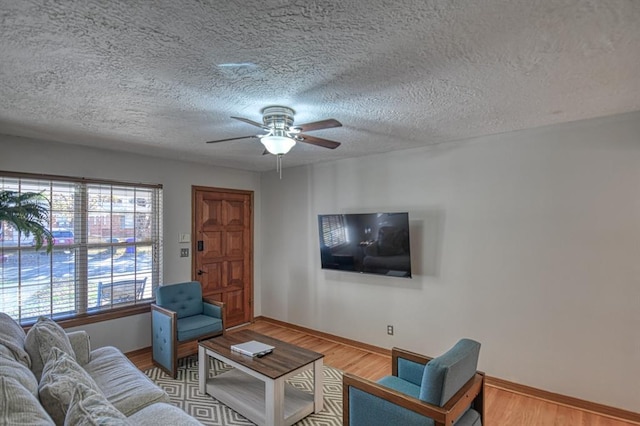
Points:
[[107, 249]]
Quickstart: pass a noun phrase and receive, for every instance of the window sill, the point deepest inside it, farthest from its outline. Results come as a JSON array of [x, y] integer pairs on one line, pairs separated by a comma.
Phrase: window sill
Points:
[[80, 320]]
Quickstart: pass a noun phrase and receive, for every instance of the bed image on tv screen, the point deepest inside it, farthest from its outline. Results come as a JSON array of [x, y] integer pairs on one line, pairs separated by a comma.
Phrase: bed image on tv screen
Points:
[[373, 243]]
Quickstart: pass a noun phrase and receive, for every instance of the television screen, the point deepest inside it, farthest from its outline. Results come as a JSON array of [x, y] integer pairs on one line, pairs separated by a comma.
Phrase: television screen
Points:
[[373, 243]]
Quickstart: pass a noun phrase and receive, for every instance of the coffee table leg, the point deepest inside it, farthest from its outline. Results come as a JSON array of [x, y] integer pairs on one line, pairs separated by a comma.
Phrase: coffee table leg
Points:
[[274, 402], [318, 376], [202, 369]]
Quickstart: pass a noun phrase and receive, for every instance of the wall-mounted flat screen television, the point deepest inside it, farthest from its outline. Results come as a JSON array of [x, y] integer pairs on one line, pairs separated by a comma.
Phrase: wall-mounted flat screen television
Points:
[[372, 243]]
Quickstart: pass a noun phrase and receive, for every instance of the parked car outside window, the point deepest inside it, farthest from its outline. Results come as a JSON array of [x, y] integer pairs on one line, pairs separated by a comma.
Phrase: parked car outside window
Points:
[[62, 237]]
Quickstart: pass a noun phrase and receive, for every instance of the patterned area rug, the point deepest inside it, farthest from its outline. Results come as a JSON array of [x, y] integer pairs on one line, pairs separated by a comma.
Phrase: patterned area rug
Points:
[[184, 393]]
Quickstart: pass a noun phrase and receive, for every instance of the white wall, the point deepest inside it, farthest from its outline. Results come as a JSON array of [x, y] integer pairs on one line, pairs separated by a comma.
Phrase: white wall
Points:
[[528, 242], [27, 155]]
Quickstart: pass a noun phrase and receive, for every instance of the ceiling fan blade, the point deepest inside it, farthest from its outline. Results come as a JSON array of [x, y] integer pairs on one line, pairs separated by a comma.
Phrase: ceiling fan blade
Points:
[[325, 143], [317, 125], [233, 139], [253, 123]]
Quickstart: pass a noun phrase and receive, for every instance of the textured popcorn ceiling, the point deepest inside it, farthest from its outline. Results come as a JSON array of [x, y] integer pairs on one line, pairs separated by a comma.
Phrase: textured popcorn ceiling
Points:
[[147, 76]]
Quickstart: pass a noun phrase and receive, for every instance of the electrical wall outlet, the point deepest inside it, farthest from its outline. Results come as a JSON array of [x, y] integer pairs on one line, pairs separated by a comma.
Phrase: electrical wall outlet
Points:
[[390, 330], [184, 252]]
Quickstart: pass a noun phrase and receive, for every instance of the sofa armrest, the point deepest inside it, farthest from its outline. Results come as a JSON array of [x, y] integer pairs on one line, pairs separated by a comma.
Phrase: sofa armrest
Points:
[[81, 345]]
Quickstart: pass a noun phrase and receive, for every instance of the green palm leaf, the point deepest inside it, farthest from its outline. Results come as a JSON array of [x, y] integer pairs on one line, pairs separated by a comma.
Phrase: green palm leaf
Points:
[[27, 212]]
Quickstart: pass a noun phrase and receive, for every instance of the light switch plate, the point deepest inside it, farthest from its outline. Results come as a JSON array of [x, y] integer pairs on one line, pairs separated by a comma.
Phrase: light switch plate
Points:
[[184, 252], [184, 238]]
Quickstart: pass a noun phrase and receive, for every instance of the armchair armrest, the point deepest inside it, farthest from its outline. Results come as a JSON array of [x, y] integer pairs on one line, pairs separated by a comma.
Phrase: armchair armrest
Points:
[[397, 353], [81, 345], [216, 309], [164, 335], [408, 365], [163, 318], [163, 311], [212, 308], [445, 415]]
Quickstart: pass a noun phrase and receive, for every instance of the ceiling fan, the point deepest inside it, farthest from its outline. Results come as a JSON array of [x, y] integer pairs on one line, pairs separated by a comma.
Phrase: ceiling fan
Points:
[[281, 135]]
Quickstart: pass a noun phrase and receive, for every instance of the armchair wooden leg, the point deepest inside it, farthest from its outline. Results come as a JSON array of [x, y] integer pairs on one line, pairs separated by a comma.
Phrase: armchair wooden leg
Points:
[[345, 401], [478, 401]]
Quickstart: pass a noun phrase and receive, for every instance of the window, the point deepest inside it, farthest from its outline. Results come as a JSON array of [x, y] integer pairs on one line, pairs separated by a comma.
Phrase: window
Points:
[[106, 255], [334, 232]]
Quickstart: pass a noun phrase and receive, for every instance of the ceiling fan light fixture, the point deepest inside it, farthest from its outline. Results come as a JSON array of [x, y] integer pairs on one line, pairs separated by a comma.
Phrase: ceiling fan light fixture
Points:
[[277, 145]]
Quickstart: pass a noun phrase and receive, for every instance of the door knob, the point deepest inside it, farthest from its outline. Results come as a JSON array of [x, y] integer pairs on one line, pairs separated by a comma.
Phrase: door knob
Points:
[[200, 272]]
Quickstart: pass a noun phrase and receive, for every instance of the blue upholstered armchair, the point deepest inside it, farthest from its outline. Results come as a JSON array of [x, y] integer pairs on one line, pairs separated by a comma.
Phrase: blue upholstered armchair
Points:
[[421, 391], [181, 315]]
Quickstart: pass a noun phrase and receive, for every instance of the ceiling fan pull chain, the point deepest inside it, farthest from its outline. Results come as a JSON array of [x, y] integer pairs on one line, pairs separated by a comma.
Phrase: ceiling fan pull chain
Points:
[[279, 164]]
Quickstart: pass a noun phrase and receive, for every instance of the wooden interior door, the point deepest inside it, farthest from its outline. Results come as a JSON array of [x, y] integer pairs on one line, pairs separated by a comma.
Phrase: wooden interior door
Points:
[[223, 249]]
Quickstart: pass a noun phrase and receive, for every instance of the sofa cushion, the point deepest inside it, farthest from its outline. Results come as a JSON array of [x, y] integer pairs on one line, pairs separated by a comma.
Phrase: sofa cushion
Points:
[[19, 407], [162, 413], [60, 376], [81, 345], [12, 336], [9, 367], [90, 408], [126, 387], [41, 338]]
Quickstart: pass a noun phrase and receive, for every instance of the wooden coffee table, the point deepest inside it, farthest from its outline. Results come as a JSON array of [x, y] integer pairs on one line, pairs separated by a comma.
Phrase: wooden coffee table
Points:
[[256, 387]]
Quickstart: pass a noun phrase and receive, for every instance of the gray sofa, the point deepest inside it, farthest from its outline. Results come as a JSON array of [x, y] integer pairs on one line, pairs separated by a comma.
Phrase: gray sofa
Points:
[[51, 377]]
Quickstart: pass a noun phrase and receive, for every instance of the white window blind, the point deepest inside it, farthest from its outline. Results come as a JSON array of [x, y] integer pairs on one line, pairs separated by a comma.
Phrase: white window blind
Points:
[[106, 255]]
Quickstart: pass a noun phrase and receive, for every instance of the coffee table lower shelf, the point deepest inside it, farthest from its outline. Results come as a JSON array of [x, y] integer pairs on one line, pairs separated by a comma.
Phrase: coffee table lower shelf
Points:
[[246, 395]]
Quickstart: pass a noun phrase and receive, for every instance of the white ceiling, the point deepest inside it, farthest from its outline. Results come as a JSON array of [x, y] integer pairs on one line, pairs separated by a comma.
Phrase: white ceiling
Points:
[[146, 76]]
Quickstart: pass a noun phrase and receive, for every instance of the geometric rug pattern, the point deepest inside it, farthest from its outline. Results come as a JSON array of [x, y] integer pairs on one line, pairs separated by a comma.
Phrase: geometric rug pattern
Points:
[[184, 394]]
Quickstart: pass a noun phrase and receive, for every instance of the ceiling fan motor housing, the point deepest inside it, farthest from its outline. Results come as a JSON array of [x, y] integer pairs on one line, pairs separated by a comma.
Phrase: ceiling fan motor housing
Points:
[[278, 118]]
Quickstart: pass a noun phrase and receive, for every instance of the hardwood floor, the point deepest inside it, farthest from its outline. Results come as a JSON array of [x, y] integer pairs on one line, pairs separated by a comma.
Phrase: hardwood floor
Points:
[[502, 407]]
